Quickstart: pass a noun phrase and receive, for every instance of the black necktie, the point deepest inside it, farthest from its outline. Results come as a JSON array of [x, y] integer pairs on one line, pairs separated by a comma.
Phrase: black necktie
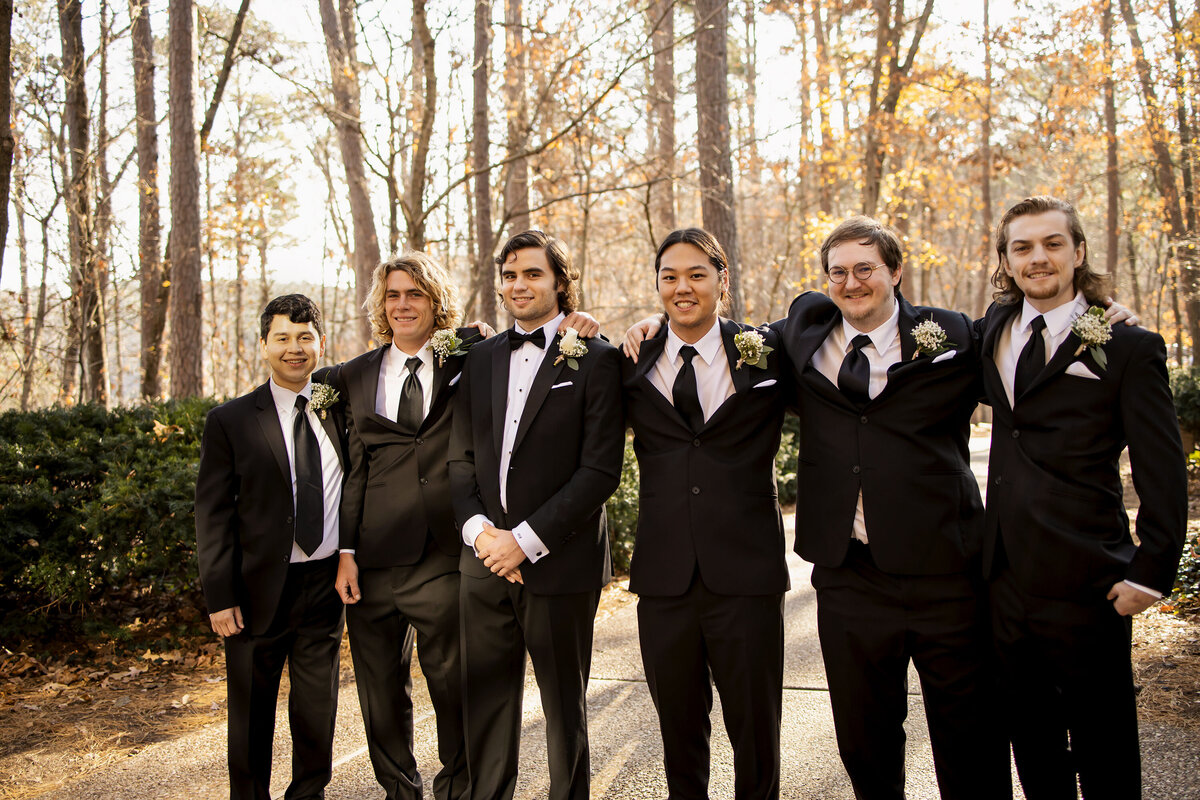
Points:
[[310, 494], [1032, 359], [854, 377], [516, 338], [684, 392], [411, 410]]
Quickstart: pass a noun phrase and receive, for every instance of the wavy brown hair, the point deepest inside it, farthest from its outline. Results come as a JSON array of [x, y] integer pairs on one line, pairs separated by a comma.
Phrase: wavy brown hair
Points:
[[867, 231], [1096, 286], [566, 277], [429, 276]]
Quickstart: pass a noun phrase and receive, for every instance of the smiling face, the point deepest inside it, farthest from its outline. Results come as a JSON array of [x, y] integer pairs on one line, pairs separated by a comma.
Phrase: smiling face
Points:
[[292, 350], [864, 304], [528, 287], [409, 311], [690, 288], [1041, 258]]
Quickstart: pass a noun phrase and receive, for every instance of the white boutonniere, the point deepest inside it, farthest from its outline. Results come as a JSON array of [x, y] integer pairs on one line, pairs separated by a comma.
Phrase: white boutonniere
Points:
[[751, 349], [324, 397], [931, 339], [1093, 331], [445, 343], [570, 347]]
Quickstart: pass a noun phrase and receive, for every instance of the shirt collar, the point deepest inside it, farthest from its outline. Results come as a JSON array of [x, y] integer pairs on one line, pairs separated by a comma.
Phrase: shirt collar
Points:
[[551, 327], [1058, 319], [882, 337], [285, 399], [396, 357], [708, 347]]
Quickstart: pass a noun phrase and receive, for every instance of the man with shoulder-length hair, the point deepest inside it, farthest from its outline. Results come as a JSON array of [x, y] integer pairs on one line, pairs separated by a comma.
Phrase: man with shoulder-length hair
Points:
[[399, 548], [1068, 393], [267, 494], [536, 451]]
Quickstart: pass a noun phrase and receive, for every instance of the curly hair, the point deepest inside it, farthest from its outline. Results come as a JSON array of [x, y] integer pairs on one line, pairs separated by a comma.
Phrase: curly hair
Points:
[[1096, 286], [566, 277], [430, 277]]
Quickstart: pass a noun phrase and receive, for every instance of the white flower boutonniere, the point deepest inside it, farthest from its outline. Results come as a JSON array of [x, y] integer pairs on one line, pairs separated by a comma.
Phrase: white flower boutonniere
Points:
[[1093, 330], [751, 349], [931, 339], [570, 347], [324, 397], [444, 344]]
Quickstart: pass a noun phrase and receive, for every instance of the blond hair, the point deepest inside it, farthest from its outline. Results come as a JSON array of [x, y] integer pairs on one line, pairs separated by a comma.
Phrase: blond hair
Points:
[[430, 277]]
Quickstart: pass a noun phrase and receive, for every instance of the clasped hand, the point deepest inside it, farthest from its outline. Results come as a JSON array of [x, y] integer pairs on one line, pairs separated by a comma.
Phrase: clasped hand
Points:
[[500, 553]]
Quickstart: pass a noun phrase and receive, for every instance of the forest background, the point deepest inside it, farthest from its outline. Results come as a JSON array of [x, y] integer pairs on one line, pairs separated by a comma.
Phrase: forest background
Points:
[[167, 166]]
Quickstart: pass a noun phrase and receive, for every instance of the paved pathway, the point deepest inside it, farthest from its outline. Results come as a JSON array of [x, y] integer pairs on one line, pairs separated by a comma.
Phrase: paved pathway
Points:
[[626, 749]]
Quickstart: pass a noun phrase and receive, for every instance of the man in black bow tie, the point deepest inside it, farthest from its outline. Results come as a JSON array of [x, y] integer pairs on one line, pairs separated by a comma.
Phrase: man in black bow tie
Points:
[[535, 452]]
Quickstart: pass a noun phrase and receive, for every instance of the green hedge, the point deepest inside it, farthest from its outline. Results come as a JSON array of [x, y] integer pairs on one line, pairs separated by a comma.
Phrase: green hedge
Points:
[[1185, 386], [95, 514]]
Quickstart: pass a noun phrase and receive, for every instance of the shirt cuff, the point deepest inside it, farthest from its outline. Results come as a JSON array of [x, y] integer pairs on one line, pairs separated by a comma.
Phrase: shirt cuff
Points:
[[530, 544], [1152, 592], [472, 528], [346, 551]]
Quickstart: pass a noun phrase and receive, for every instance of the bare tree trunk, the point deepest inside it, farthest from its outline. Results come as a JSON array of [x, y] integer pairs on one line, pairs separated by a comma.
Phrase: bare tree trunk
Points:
[[423, 54], [516, 187], [985, 172], [824, 101], [84, 267], [1164, 176], [1112, 237], [7, 143], [154, 287], [716, 168], [881, 112], [338, 27], [485, 281], [662, 118], [97, 349], [235, 35], [186, 356]]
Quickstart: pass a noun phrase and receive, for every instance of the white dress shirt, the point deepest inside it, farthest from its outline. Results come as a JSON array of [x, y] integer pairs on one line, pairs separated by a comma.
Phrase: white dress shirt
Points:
[[714, 383], [523, 364], [881, 353], [331, 467], [392, 374]]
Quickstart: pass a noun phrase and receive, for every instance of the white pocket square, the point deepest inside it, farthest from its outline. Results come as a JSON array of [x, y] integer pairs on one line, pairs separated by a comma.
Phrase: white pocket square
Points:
[[764, 384], [560, 385], [945, 356], [1080, 370], [454, 380]]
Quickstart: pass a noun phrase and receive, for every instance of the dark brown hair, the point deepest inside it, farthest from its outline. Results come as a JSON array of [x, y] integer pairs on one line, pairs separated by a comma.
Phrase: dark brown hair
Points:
[[565, 274], [866, 231], [296, 307]]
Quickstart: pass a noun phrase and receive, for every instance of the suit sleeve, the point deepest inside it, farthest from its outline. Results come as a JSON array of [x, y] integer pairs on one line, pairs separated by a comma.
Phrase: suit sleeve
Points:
[[601, 452], [355, 489], [464, 488], [1156, 457], [216, 516]]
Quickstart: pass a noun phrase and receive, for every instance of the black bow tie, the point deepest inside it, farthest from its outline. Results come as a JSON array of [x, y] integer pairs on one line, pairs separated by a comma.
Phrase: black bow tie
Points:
[[516, 338]]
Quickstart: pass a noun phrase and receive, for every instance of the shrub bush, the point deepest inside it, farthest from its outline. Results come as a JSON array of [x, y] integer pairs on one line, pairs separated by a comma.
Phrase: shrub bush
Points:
[[1186, 594], [622, 511], [1185, 386], [96, 511]]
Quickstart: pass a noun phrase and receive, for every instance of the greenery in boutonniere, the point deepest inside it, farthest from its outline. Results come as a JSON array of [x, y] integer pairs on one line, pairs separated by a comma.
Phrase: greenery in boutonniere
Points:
[[324, 397], [931, 339], [1093, 331], [751, 349], [445, 343], [570, 347]]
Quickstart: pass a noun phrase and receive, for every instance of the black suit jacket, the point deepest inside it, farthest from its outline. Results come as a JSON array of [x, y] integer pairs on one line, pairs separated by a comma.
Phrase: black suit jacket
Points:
[[907, 449], [398, 487], [244, 504], [1054, 489], [565, 464], [708, 498]]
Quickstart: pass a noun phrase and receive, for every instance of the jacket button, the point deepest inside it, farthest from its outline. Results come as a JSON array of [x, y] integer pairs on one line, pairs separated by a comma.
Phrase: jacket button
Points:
[[695, 442], [1016, 434], [856, 469], [863, 420], [289, 520], [695, 490], [424, 481], [997, 481], [420, 441]]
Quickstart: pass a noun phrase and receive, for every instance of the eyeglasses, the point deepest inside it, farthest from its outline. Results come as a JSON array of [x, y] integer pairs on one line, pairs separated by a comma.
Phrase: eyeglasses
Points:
[[862, 272]]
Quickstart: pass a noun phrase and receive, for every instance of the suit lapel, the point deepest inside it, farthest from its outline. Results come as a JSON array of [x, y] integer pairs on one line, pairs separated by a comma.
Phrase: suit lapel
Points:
[[368, 384], [272, 428], [651, 351], [546, 375], [441, 379], [501, 353], [1061, 359], [741, 377], [993, 383], [906, 321]]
